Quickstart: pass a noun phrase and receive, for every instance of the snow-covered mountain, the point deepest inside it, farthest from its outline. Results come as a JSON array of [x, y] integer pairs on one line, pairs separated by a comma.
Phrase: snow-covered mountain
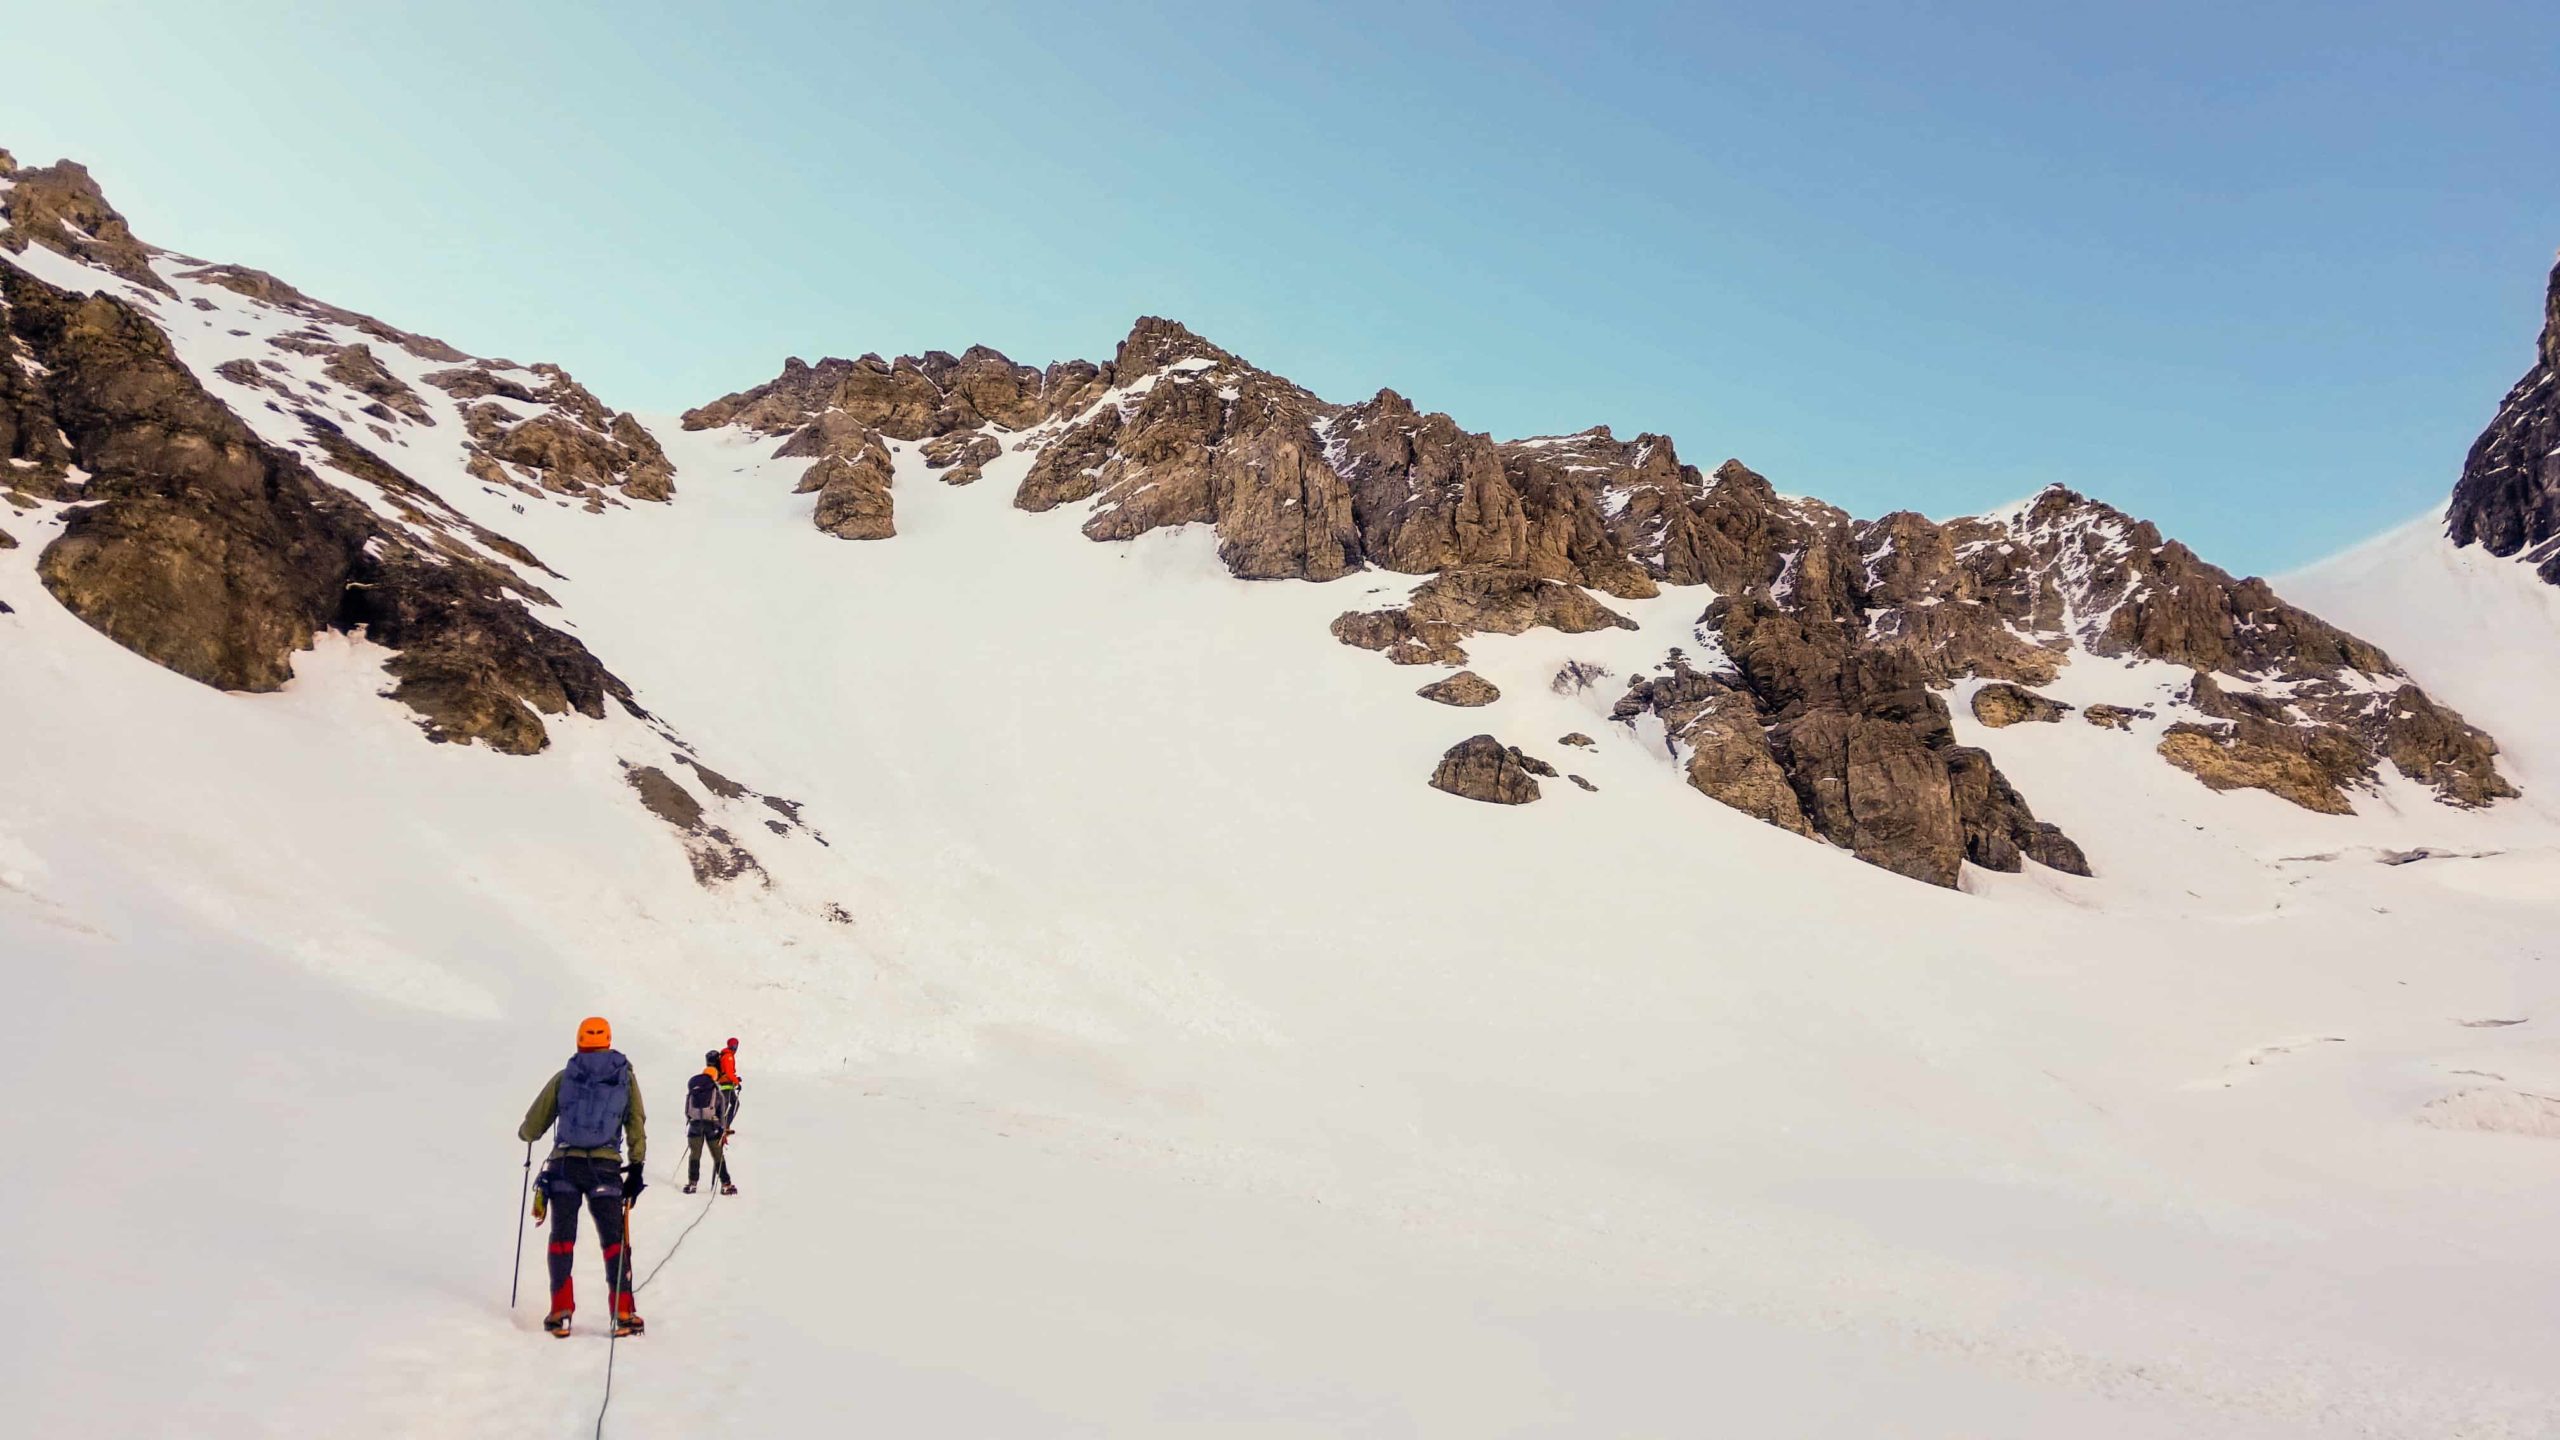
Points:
[[1138, 1042]]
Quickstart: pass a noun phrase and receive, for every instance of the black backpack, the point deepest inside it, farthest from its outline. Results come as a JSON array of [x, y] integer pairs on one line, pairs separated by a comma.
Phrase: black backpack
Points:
[[702, 1101]]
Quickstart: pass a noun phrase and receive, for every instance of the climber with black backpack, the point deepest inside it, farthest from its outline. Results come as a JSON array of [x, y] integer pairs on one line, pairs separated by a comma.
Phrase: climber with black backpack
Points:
[[706, 1122], [596, 1102]]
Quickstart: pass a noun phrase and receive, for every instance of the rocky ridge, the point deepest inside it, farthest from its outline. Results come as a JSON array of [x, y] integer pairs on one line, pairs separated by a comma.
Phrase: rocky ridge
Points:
[[1824, 644], [214, 516], [2508, 499], [533, 429], [275, 495]]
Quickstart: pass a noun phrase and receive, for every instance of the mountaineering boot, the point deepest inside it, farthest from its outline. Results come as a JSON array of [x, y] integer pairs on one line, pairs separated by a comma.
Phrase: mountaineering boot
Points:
[[690, 1187], [728, 1189], [629, 1323], [557, 1322]]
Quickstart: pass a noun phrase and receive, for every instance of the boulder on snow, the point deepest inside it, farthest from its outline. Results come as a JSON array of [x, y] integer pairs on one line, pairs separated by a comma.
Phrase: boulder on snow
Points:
[[2000, 704], [2116, 717], [1466, 689], [1483, 768], [1576, 739]]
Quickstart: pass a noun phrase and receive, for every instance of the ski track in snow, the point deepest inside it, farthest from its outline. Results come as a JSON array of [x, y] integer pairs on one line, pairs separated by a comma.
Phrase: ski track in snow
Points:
[[1188, 1064]]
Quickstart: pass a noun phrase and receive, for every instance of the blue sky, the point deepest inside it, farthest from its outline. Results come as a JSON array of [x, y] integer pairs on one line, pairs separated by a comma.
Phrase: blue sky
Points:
[[2257, 272]]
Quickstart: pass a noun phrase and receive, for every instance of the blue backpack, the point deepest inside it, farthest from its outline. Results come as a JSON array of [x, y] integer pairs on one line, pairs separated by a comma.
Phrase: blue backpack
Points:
[[595, 1094]]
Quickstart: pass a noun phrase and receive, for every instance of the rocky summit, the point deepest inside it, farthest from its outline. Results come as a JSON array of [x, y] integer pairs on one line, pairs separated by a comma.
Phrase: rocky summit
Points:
[[235, 468], [2508, 500], [1814, 691]]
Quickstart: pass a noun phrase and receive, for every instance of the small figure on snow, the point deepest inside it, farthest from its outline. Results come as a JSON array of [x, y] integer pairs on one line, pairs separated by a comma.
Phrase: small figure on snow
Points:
[[729, 1087], [706, 1123]]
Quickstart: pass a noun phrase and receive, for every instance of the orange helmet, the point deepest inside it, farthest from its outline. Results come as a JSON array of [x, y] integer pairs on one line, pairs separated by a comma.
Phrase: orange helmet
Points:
[[595, 1033]]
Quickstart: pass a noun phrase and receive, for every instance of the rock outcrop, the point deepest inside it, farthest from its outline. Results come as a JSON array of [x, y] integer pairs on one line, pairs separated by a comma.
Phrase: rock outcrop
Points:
[[841, 414], [2508, 499], [218, 555], [714, 855], [1818, 709], [2001, 704], [1715, 729], [61, 208], [570, 444], [1466, 689], [1483, 768]]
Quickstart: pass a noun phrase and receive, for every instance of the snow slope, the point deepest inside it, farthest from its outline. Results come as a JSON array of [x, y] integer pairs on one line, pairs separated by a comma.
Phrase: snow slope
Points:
[[1188, 1065], [2484, 631]]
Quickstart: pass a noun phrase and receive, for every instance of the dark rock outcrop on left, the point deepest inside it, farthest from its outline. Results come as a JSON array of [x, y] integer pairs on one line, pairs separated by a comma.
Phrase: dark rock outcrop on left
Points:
[[2508, 500], [211, 552]]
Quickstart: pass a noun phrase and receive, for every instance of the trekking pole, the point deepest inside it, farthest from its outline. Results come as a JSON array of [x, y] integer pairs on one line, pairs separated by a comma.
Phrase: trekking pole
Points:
[[515, 1278]]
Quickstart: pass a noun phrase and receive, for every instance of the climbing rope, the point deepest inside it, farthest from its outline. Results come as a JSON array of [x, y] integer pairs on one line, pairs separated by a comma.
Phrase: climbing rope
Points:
[[616, 1340]]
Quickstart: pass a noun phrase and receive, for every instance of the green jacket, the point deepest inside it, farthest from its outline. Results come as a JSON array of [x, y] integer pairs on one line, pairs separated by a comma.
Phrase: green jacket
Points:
[[546, 1108]]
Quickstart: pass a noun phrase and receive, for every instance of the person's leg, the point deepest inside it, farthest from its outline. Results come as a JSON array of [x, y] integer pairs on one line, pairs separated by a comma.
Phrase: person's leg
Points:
[[720, 1159], [607, 1199], [693, 1159], [564, 1245]]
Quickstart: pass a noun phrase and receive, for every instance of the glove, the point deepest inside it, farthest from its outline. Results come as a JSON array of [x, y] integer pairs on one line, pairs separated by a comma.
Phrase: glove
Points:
[[632, 1184]]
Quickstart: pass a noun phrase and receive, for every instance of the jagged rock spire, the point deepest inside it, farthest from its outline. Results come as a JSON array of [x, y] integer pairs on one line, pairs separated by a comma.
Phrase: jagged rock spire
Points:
[[2508, 499]]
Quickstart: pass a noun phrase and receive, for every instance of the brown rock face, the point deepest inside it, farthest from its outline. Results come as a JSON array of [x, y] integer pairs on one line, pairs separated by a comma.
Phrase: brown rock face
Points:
[[1820, 714], [1454, 604], [2115, 717], [1869, 751], [715, 856], [2262, 758], [61, 208], [1400, 637], [1465, 689], [574, 446], [853, 492], [1483, 768], [910, 398], [2312, 746], [1198, 437], [357, 368], [2000, 704], [1719, 728], [962, 457], [2508, 499], [216, 555]]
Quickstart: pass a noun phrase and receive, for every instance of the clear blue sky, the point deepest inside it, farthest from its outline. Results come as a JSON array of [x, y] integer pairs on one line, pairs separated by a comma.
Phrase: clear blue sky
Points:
[[2260, 276]]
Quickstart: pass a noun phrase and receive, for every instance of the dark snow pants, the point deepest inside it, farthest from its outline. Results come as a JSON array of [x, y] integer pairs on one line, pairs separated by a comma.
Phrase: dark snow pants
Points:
[[697, 1135], [567, 1180]]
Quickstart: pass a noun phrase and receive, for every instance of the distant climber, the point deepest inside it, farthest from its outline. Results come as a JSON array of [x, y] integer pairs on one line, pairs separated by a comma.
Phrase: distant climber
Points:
[[729, 1087], [706, 1123], [596, 1101]]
